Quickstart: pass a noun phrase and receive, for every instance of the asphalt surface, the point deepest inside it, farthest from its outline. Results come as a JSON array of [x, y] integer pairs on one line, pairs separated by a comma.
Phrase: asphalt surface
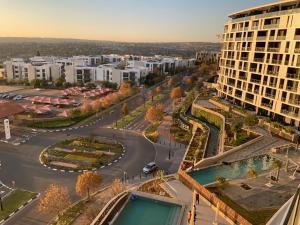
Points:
[[20, 164]]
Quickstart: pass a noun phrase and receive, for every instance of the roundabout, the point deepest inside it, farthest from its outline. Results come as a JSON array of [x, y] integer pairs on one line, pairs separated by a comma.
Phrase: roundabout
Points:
[[82, 154]]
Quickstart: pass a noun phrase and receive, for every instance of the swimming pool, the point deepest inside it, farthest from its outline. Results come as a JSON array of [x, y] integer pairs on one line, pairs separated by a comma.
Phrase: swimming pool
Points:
[[145, 211], [234, 170]]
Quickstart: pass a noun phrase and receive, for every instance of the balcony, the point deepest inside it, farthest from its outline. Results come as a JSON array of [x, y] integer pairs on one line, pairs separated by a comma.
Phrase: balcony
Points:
[[261, 38], [297, 50], [249, 100], [244, 58], [289, 113], [281, 38], [295, 101], [293, 76], [256, 91], [238, 96], [273, 85], [290, 88], [249, 38], [270, 26], [230, 48], [273, 73], [238, 38], [242, 78], [269, 95], [273, 49], [254, 27], [260, 49], [269, 106], [297, 37], [259, 60], [255, 81], [276, 61], [253, 69]]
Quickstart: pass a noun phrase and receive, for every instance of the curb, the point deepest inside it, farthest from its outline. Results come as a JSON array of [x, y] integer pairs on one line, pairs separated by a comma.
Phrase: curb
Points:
[[80, 171], [20, 208]]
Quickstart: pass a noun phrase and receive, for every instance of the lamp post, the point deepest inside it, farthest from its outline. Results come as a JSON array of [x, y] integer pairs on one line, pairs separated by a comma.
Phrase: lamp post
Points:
[[1, 205]]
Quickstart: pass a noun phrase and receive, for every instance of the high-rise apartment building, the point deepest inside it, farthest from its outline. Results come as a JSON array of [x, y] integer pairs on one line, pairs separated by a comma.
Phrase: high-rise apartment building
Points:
[[260, 60]]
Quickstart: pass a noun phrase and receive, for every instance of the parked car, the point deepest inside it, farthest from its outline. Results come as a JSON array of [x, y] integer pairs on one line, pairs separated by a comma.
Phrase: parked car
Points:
[[4, 95], [18, 97], [150, 168]]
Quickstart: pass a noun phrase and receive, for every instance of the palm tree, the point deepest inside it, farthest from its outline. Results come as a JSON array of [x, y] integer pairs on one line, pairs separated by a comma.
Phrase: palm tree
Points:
[[276, 165], [252, 173]]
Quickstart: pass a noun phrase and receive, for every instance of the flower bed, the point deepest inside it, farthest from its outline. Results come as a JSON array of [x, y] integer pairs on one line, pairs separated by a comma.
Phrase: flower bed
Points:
[[81, 153]]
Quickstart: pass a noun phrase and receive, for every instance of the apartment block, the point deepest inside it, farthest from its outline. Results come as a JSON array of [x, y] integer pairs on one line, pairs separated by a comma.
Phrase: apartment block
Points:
[[260, 60]]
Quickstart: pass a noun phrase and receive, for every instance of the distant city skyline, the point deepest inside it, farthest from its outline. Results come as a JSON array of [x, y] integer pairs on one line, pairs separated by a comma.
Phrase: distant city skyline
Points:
[[119, 20]]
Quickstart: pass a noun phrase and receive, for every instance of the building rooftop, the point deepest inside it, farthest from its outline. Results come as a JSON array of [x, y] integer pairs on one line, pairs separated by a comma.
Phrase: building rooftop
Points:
[[265, 8]]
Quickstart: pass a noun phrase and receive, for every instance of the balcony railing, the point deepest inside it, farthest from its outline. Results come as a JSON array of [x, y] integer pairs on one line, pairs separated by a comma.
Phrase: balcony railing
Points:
[[273, 49], [255, 81], [281, 37], [297, 50], [271, 72], [273, 84], [290, 113], [294, 101], [276, 61], [260, 49], [254, 27], [243, 78], [259, 60], [290, 88], [293, 76], [253, 69], [270, 95], [244, 58], [261, 38], [238, 38], [249, 99], [297, 37], [266, 105], [249, 38], [269, 26]]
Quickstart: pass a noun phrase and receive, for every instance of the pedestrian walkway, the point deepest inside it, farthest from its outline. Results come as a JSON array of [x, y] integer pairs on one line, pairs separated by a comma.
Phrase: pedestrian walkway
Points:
[[205, 213]]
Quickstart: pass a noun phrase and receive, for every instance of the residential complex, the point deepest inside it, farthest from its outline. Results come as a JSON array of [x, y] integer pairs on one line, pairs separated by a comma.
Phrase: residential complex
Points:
[[208, 57], [113, 68], [260, 60]]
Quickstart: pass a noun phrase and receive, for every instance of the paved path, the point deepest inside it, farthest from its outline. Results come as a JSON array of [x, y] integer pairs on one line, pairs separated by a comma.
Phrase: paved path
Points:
[[205, 214], [263, 146]]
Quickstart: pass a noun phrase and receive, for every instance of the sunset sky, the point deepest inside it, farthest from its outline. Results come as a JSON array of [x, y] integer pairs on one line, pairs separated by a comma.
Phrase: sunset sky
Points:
[[119, 20]]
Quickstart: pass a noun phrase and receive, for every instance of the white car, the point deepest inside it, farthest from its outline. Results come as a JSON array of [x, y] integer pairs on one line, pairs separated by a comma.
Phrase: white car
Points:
[[150, 167]]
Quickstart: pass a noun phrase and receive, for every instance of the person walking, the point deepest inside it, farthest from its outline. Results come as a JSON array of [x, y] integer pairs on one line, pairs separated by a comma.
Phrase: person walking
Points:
[[189, 216], [197, 198]]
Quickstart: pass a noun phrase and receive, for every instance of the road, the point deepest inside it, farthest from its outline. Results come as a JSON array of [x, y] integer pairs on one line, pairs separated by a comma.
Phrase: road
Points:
[[20, 164]]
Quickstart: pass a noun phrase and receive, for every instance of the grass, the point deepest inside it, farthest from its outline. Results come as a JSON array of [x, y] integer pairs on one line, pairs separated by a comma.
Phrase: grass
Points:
[[257, 217], [69, 216], [152, 133], [14, 200], [80, 158], [123, 122]]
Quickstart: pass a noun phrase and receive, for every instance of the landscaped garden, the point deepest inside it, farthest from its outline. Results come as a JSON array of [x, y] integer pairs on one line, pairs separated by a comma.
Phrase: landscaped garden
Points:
[[14, 200], [82, 153], [180, 135], [124, 121]]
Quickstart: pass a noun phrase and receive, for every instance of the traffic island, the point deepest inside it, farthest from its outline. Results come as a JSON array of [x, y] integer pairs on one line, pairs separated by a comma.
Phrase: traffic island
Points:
[[14, 202], [81, 154]]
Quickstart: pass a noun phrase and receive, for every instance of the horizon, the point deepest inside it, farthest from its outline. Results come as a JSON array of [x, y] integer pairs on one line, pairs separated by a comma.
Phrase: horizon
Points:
[[129, 21]]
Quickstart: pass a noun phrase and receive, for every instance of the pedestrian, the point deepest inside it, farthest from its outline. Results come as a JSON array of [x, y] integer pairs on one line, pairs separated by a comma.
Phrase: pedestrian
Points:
[[195, 216], [189, 216], [197, 198]]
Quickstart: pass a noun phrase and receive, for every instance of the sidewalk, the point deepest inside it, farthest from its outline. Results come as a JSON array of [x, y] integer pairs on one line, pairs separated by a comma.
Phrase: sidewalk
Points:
[[205, 214]]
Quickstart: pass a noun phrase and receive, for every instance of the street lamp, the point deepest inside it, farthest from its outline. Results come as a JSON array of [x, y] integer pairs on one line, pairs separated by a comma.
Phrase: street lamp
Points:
[[1, 205], [125, 175]]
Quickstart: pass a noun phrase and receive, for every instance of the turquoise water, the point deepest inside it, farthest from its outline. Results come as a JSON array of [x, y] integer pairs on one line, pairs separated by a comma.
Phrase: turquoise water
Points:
[[234, 170], [145, 211]]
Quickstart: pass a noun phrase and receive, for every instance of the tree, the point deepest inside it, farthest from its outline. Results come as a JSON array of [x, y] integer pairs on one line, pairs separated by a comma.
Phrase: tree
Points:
[[236, 127], [117, 187], [125, 109], [54, 200], [35, 83], [126, 89], [203, 69], [276, 165], [159, 177], [250, 120], [86, 183], [176, 93], [154, 114], [252, 173]]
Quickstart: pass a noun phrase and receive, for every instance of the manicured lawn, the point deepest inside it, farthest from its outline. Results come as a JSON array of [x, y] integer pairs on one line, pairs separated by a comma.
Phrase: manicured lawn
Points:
[[81, 158], [70, 214], [257, 217], [14, 200], [152, 133]]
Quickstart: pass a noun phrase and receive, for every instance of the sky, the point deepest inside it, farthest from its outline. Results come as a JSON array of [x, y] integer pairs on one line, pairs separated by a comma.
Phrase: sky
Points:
[[119, 20]]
